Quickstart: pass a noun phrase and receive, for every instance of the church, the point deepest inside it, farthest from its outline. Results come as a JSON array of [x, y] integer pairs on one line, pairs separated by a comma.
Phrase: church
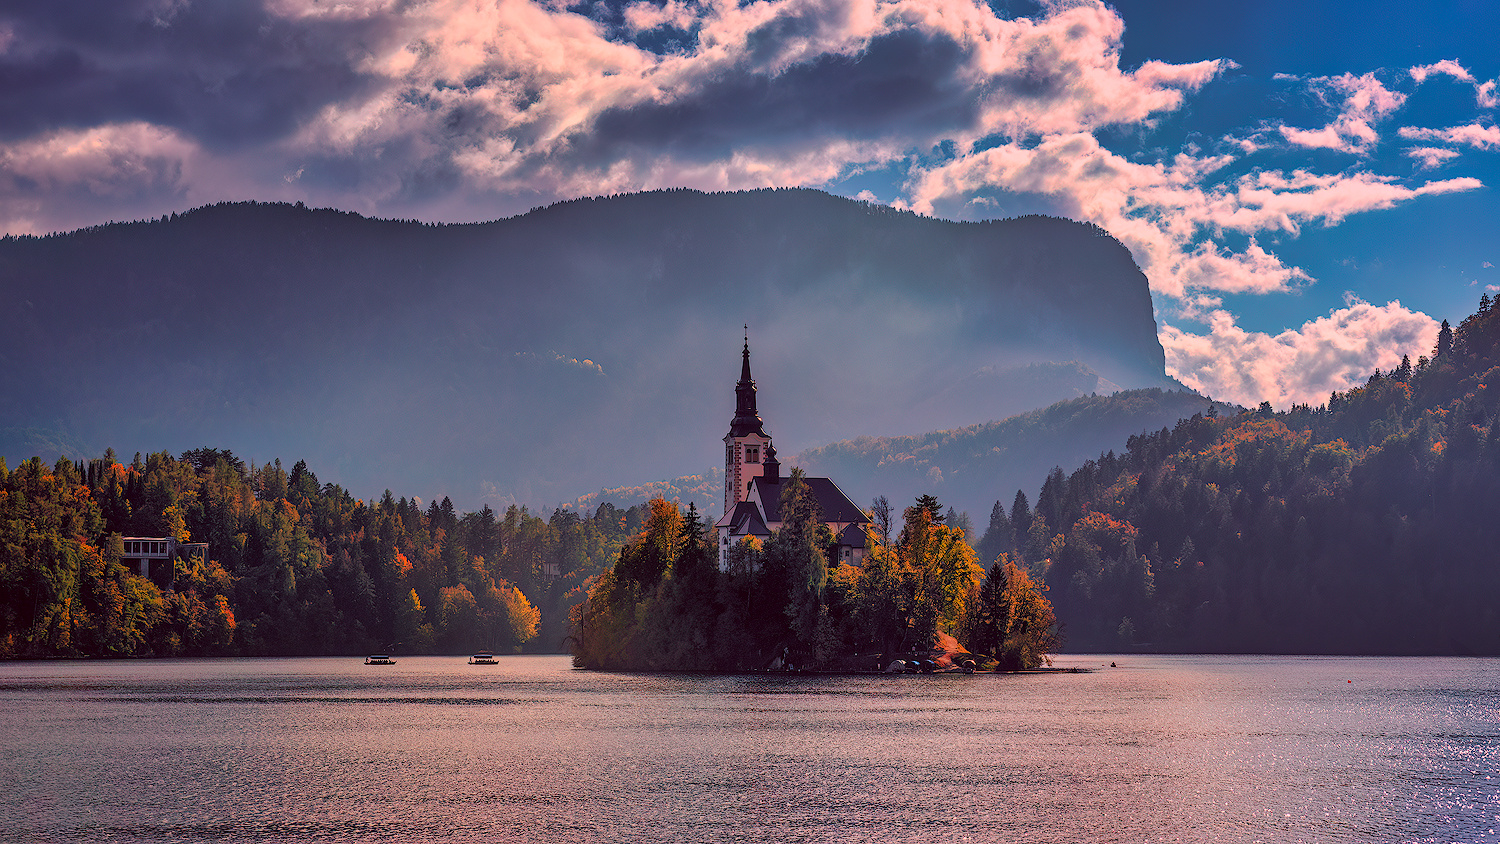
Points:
[[753, 485]]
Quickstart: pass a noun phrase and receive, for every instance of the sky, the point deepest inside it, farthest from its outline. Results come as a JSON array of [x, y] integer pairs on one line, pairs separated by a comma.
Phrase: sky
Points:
[[1309, 186]]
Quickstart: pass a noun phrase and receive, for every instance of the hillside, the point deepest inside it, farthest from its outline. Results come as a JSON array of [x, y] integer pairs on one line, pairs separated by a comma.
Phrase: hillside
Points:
[[293, 566], [1366, 525], [971, 468], [534, 358], [705, 492]]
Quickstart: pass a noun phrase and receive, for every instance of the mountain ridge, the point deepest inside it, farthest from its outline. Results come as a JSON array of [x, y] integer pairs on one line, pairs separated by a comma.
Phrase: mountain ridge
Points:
[[522, 360], [977, 464]]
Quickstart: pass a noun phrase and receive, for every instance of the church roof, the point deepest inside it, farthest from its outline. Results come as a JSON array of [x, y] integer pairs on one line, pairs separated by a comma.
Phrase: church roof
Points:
[[744, 519], [832, 502], [853, 536]]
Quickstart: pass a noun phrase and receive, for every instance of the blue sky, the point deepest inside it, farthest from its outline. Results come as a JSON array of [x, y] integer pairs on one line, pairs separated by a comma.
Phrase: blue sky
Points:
[[1309, 186]]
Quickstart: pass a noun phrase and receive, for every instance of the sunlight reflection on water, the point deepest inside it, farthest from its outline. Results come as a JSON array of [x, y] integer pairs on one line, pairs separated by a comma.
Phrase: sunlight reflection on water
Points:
[[434, 750]]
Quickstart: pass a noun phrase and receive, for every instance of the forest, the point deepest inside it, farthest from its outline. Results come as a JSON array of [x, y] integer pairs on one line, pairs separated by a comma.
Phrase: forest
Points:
[[1364, 525], [294, 567], [666, 605], [1367, 525]]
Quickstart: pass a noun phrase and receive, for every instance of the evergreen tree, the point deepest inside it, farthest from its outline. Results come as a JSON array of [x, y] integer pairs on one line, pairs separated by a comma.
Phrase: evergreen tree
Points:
[[933, 508], [999, 537], [1403, 372], [1020, 516]]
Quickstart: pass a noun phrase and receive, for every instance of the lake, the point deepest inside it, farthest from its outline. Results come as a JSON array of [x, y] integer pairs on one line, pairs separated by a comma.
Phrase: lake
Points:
[[1160, 748]]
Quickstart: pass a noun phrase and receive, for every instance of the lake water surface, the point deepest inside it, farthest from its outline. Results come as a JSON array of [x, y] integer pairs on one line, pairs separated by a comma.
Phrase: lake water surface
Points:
[[1239, 749]]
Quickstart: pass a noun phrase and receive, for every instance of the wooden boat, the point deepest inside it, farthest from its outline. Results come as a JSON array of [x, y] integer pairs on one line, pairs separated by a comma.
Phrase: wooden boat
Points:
[[483, 658], [379, 659]]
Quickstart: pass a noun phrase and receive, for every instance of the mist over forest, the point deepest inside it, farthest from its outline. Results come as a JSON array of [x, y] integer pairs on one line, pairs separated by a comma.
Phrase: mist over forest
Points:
[[1363, 525], [582, 346]]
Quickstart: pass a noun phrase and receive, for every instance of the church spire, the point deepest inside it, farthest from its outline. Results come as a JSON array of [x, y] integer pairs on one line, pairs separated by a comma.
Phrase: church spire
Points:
[[745, 366], [746, 418]]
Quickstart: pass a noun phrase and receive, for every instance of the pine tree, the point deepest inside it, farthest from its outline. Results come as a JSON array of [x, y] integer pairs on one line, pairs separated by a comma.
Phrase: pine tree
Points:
[[1020, 517], [1402, 373], [999, 538]]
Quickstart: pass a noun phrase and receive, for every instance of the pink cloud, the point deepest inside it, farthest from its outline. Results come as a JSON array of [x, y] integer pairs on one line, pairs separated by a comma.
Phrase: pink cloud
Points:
[[1273, 200], [1430, 158], [518, 100], [1366, 101], [1446, 67], [643, 17], [1301, 365], [1484, 92], [1474, 135], [1166, 212], [119, 166]]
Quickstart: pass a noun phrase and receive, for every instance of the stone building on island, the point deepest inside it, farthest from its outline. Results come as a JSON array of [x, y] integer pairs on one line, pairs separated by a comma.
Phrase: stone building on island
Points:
[[753, 485]]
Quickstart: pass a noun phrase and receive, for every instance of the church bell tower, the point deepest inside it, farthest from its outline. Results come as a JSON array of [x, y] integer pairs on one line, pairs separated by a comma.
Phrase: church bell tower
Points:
[[747, 446]]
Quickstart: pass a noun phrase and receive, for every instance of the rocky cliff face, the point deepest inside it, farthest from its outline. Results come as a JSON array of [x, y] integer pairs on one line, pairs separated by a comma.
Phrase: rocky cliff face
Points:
[[583, 345]]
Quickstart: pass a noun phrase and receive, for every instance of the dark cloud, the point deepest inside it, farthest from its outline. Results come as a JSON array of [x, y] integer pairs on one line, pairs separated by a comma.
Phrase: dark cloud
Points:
[[229, 74], [903, 83]]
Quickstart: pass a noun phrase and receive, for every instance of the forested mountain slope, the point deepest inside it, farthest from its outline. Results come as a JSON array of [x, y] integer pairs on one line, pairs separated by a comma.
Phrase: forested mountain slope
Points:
[[294, 567], [969, 468], [1366, 525]]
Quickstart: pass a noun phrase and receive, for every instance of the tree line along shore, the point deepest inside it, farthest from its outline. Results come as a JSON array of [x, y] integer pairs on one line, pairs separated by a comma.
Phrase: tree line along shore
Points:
[[1362, 525]]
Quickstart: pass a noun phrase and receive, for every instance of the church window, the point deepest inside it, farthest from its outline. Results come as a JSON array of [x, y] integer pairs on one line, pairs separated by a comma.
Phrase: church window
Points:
[[752, 454]]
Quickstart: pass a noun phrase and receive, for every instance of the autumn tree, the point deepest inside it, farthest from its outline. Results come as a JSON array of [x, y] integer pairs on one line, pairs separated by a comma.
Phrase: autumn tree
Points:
[[941, 567], [1012, 620]]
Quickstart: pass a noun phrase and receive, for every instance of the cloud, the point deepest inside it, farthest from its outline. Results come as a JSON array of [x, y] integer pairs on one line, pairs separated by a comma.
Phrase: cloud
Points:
[[644, 17], [1446, 67], [1474, 135], [1430, 158], [1486, 95], [122, 165], [1484, 92], [1366, 101], [1278, 200], [463, 107], [1301, 365], [584, 364], [1167, 211], [227, 75]]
